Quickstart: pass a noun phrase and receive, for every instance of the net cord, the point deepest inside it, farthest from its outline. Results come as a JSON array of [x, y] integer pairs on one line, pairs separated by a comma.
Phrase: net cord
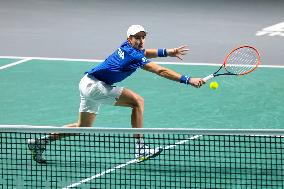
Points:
[[194, 131]]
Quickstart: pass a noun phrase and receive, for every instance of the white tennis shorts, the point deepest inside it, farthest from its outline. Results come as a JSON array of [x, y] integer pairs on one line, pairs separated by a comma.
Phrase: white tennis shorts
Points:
[[94, 93]]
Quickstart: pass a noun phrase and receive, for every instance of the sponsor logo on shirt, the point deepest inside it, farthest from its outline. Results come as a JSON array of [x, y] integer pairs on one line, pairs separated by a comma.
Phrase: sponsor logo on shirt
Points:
[[120, 53], [144, 59]]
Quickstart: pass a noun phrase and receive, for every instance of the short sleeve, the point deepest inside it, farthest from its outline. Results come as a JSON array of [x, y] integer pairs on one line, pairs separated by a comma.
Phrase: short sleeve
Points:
[[140, 58]]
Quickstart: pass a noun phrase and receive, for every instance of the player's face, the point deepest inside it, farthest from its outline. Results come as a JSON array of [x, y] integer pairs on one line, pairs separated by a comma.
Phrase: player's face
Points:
[[137, 41]]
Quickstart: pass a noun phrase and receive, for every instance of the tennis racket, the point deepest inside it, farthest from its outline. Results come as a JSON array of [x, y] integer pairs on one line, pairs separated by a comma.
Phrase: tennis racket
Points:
[[240, 61]]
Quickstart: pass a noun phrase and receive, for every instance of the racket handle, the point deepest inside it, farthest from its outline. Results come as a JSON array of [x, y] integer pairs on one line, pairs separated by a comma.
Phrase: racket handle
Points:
[[205, 79]]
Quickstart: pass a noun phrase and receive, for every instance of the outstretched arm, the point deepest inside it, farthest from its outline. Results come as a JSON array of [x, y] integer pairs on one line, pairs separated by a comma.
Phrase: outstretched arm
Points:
[[172, 75], [175, 52]]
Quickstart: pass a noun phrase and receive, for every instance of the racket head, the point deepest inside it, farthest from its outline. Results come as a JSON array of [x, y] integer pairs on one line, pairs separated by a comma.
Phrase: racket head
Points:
[[242, 60]]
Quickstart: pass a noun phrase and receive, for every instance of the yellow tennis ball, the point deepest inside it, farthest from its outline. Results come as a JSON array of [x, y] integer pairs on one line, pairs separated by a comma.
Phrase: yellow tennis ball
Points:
[[214, 85]]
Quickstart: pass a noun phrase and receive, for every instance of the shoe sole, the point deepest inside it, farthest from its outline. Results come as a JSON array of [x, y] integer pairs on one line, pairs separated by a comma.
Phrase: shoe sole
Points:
[[150, 156]]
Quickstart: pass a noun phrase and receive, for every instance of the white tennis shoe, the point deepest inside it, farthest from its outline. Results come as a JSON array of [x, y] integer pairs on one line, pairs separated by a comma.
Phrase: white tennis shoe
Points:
[[37, 148], [144, 152]]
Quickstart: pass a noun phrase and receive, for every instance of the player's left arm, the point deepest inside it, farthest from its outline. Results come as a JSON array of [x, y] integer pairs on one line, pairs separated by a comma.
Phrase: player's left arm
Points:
[[174, 52], [171, 75]]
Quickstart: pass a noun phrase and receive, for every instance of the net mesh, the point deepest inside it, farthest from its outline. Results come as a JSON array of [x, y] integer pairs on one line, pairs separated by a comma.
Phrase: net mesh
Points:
[[242, 60], [93, 159]]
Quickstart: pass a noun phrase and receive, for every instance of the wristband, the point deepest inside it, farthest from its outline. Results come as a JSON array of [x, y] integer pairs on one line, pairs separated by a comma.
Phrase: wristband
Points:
[[162, 53], [184, 79]]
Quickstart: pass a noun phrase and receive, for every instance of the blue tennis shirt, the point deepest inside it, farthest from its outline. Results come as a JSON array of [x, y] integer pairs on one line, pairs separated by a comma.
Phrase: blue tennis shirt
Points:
[[119, 65]]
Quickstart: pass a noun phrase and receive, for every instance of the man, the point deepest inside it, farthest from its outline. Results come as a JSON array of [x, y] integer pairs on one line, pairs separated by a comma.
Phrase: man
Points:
[[96, 87]]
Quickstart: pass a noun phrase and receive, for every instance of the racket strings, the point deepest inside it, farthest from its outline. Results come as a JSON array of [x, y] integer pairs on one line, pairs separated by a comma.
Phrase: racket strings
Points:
[[242, 60]]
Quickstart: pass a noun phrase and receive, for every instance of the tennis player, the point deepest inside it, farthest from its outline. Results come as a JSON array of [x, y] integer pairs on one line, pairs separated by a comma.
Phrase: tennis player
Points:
[[97, 87]]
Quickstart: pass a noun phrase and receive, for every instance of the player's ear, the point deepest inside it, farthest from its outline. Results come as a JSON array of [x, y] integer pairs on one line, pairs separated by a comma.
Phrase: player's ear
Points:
[[129, 38]]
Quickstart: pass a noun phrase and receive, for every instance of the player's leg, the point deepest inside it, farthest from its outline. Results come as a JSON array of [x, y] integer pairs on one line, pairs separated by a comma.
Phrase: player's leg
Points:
[[130, 99], [37, 146], [87, 115], [86, 119]]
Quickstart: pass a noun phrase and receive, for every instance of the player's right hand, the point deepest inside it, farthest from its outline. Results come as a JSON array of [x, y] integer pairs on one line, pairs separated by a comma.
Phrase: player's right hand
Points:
[[196, 82]]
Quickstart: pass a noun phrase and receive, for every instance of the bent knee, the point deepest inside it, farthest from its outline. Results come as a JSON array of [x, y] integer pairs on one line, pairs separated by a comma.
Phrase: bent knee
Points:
[[139, 103]]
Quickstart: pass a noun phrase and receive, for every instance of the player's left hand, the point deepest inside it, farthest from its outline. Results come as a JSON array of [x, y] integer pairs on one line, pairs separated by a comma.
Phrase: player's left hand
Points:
[[178, 52]]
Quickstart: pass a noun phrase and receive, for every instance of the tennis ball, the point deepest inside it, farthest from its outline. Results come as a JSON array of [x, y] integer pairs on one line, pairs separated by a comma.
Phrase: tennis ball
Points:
[[214, 85]]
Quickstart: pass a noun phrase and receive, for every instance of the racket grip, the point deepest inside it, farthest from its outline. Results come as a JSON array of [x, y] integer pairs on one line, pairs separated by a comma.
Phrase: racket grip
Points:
[[205, 79]]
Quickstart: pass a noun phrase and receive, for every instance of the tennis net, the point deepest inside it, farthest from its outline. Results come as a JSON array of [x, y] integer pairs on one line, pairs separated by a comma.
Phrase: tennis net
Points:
[[105, 158]]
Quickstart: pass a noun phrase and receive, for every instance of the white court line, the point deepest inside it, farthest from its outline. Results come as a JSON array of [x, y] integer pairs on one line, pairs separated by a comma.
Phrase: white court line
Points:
[[16, 125], [15, 63], [47, 58], [127, 163], [100, 60]]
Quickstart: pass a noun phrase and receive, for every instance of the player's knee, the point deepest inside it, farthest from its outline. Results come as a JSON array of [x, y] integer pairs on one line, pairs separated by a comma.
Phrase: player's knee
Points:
[[139, 102]]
